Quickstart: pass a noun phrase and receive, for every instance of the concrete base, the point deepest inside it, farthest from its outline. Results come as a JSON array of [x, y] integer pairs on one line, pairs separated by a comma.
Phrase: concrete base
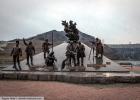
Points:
[[72, 77]]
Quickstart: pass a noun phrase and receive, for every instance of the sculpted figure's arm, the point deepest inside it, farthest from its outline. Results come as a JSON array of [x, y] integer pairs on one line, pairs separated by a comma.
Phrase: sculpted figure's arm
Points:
[[24, 42]]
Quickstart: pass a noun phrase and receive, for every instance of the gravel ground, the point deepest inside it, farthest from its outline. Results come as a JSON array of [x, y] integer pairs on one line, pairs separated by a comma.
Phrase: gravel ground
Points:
[[66, 91]]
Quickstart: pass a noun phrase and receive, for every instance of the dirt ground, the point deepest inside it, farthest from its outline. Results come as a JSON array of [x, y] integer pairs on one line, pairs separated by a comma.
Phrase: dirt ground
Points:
[[66, 91]]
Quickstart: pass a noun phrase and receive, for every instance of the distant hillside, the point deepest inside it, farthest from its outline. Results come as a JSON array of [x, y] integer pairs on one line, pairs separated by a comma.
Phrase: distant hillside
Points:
[[59, 36]]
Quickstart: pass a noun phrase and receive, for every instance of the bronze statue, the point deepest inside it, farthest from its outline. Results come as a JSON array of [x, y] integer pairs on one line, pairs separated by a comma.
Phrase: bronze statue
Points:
[[45, 48], [30, 51], [16, 53], [70, 56], [80, 54], [50, 59]]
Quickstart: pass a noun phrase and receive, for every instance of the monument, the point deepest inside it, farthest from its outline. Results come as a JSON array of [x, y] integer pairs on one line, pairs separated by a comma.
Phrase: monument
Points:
[[65, 63], [100, 70]]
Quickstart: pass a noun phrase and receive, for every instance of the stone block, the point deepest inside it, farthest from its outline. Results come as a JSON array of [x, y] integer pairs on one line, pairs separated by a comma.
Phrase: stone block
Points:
[[43, 77], [1, 76], [22, 76], [10, 76], [34, 77]]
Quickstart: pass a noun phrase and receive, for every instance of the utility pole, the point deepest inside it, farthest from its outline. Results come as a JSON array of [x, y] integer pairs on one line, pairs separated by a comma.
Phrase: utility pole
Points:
[[52, 41]]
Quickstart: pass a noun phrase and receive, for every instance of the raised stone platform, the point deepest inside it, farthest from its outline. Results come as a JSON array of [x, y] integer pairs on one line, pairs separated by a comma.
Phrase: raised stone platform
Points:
[[72, 77], [100, 71], [60, 50]]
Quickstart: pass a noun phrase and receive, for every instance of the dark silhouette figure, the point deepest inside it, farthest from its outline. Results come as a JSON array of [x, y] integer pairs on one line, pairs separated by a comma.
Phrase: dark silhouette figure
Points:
[[71, 52], [50, 59], [45, 47], [16, 53], [99, 49], [30, 51], [80, 53]]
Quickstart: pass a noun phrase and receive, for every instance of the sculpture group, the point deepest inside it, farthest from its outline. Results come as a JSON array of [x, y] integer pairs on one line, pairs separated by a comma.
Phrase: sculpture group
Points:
[[75, 50]]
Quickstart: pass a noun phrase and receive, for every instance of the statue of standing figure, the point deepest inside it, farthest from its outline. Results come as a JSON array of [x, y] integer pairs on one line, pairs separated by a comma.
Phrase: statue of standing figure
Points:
[[71, 30], [98, 46]]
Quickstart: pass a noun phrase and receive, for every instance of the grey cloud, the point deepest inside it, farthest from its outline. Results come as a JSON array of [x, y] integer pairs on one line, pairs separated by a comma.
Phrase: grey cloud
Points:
[[25, 18]]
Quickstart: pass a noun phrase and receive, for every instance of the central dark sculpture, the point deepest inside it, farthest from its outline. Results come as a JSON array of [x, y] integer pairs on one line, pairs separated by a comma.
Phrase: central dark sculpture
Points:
[[71, 30], [72, 33]]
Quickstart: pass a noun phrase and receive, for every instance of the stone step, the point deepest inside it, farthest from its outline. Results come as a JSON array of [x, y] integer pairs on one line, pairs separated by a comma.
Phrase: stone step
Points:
[[72, 77]]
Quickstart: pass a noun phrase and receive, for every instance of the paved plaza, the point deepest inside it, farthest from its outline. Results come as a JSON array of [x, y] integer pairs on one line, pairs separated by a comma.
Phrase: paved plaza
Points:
[[67, 91]]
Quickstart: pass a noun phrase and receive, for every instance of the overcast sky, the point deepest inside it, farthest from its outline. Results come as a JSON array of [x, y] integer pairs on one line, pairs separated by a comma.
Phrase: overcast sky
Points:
[[114, 21]]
